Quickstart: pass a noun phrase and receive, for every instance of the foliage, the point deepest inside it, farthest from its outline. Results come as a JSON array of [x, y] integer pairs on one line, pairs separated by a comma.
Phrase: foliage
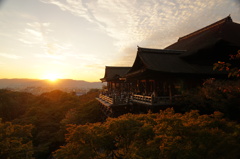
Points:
[[152, 136], [13, 104], [232, 68], [164, 135], [15, 141], [87, 112], [214, 95], [47, 113], [82, 114]]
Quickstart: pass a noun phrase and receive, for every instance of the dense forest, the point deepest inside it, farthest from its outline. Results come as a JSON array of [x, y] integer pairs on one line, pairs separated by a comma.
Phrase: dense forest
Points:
[[65, 126], [34, 126]]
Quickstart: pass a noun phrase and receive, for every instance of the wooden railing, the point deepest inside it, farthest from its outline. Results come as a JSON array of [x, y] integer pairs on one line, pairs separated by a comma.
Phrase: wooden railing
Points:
[[150, 100], [106, 98], [114, 99], [142, 98]]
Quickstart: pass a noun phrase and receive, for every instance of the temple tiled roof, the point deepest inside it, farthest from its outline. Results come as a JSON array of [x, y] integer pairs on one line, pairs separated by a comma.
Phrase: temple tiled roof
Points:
[[164, 61], [114, 73], [224, 30]]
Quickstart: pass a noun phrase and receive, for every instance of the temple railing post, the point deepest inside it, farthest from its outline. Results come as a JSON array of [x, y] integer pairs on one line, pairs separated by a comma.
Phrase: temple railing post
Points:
[[114, 99], [152, 99]]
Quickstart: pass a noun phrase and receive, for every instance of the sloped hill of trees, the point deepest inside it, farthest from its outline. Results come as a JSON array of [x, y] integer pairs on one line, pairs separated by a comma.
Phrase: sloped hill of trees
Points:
[[47, 114], [154, 136]]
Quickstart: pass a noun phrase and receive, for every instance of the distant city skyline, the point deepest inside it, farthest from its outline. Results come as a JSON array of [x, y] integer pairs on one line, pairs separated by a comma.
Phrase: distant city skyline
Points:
[[76, 39]]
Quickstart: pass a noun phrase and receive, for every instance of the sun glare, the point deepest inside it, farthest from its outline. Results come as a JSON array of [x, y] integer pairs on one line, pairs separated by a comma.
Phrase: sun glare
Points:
[[51, 77]]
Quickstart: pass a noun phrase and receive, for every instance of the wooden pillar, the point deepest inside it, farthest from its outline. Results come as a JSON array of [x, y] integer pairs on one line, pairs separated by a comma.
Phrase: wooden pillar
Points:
[[108, 86], [154, 87], [111, 86], [138, 86], [147, 87], [170, 93]]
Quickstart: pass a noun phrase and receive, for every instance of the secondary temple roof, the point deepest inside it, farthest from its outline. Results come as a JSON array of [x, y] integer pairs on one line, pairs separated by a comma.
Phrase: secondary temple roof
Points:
[[114, 73], [165, 61]]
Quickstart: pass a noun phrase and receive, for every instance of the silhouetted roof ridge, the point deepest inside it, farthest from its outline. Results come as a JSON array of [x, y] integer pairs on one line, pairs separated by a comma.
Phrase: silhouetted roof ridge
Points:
[[218, 23], [161, 51]]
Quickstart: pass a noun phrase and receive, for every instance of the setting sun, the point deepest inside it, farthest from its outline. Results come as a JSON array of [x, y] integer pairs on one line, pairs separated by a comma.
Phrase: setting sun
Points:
[[51, 77]]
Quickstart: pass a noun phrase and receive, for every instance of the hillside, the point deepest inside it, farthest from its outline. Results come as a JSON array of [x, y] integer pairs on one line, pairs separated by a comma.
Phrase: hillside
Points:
[[61, 83]]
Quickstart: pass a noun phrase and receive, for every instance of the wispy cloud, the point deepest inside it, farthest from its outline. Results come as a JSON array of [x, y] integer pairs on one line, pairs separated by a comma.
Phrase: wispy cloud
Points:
[[136, 21], [39, 34], [34, 33], [155, 23], [74, 6], [49, 56], [10, 56]]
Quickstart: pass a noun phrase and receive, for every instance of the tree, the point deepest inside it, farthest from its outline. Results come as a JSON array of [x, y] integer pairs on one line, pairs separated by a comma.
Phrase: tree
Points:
[[214, 95], [15, 141], [232, 68], [13, 104], [154, 136], [85, 113], [48, 114]]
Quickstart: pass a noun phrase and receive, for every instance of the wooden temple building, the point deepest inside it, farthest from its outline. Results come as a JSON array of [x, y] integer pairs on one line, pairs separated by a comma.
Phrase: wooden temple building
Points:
[[159, 76]]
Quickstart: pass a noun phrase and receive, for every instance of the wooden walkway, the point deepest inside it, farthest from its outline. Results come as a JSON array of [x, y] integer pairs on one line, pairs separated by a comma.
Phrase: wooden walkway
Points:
[[116, 105]]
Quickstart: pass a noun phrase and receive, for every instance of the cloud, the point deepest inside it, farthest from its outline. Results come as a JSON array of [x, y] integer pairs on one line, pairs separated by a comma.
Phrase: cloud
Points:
[[140, 18], [153, 23], [34, 33], [40, 35], [74, 6], [49, 56], [10, 56], [55, 47]]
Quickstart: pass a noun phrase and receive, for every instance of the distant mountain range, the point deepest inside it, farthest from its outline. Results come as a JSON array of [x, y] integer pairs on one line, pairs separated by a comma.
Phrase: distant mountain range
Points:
[[60, 83]]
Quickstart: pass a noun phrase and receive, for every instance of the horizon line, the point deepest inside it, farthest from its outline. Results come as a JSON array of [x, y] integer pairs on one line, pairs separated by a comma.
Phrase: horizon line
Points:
[[45, 79]]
